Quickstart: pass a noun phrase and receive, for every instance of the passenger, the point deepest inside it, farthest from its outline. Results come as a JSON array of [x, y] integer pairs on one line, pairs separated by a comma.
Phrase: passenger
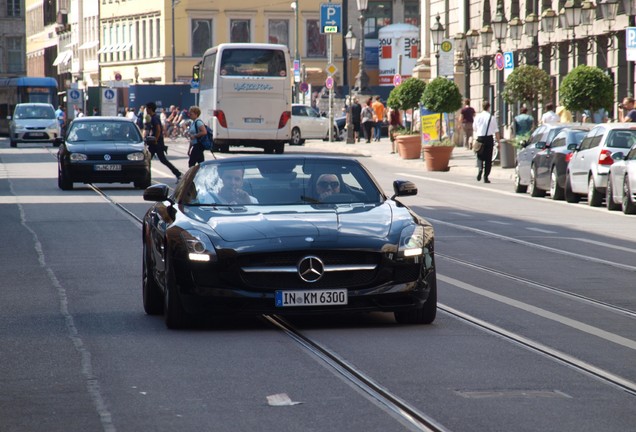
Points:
[[327, 185], [232, 190]]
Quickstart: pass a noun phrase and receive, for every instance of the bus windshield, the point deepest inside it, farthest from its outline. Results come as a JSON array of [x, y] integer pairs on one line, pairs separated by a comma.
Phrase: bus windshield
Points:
[[258, 62]]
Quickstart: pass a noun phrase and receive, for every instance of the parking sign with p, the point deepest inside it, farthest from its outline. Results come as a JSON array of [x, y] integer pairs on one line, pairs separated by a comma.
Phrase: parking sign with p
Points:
[[630, 36]]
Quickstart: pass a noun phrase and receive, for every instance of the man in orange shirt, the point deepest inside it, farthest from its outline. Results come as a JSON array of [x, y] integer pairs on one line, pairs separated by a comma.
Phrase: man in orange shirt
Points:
[[380, 114]]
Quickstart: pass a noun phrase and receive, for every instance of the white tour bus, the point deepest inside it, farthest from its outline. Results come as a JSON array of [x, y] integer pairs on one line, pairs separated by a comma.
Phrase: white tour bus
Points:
[[245, 95]]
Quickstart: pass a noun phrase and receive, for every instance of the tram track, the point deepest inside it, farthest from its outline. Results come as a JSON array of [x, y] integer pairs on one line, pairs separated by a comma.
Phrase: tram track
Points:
[[402, 411]]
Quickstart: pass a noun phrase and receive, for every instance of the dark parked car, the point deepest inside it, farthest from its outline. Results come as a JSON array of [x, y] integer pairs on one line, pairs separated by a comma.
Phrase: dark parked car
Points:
[[549, 165], [103, 150], [285, 235], [541, 135]]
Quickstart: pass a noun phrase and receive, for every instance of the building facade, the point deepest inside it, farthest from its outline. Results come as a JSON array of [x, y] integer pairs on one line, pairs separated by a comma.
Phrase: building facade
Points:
[[12, 38]]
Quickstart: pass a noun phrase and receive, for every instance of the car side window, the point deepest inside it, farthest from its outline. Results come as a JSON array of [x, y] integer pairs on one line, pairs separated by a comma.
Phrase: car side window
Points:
[[596, 139], [587, 141], [558, 142], [631, 155], [538, 133], [296, 110]]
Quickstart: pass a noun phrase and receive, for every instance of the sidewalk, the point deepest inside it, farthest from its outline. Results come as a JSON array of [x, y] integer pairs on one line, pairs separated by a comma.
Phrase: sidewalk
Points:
[[462, 160]]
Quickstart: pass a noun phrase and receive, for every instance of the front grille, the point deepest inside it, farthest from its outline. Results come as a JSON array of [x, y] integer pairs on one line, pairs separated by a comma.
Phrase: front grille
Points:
[[292, 258], [350, 279]]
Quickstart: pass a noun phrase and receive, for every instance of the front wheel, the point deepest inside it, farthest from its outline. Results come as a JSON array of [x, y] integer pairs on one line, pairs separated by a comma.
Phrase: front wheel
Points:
[[13, 143], [594, 198], [534, 190], [174, 314], [143, 182], [556, 191], [629, 206], [151, 293], [420, 315], [570, 196], [519, 188], [296, 139], [64, 181]]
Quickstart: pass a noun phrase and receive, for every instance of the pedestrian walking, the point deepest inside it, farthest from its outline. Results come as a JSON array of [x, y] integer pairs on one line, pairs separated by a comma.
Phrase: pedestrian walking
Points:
[[565, 116], [356, 110], [196, 130], [379, 112], [152, 128], [487, 130], [467, 117], [367, 120], [395, 122], [549, 116], [523, 123], [60, 115]]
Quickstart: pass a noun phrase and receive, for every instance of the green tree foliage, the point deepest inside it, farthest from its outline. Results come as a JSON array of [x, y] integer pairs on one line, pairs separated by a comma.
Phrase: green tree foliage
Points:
[[406, 95], [527, 84], [587, 87], [442, 96]]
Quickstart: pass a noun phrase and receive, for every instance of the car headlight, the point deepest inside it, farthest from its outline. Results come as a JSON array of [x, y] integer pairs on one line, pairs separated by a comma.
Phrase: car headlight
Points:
[[199, 246], [137, 156], [411, 242], [52, 126], [76, 157]]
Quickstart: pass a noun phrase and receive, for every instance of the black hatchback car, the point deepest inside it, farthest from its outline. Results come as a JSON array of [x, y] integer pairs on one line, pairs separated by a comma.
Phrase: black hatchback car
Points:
[[285, 235], [103, 150]]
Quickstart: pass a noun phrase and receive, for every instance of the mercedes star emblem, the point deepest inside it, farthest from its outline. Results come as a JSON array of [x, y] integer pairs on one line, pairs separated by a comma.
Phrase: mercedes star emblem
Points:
[[311, 269]]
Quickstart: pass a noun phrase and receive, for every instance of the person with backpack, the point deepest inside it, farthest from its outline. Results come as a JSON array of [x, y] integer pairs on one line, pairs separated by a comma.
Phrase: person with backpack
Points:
[[196, 132], [153, 128]]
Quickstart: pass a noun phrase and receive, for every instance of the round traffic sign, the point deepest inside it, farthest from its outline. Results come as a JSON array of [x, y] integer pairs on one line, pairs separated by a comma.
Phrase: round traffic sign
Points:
[[499, 61], [117, 76], [329, 83], [397, 80], [304, 87]]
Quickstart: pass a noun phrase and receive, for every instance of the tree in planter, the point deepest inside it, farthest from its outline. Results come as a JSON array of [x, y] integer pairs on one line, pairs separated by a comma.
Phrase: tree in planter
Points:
[[407, 95], [587, 88], [442, 96], [527, 84]]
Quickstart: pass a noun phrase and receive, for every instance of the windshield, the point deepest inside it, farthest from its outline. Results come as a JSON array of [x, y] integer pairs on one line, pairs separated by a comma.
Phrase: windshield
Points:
[[286, 182], [621, 139], [34, 112], [262, 62], [103, 131]]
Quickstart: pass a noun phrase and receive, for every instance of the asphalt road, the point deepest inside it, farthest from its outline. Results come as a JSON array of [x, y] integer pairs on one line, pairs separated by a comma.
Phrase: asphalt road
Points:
[[78, 353]]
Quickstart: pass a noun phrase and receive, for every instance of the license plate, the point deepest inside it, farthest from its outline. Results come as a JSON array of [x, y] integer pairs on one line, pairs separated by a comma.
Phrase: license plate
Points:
[[37, 134], [108, 167], [311, 298], [252, 120]]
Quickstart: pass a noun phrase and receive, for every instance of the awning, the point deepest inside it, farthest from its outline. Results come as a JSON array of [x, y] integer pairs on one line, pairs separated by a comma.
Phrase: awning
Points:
[[63, 58], [89, 45]]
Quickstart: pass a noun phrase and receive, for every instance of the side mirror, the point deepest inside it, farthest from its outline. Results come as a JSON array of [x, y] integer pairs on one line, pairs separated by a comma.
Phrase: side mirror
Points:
[[618, 156], [523, 143], [404, 188], [541, 145], [572, 146], [155, 193]]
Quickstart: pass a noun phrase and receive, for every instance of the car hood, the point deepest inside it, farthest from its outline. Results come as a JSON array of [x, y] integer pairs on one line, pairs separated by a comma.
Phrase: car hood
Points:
[[323, 223], [104, 147]]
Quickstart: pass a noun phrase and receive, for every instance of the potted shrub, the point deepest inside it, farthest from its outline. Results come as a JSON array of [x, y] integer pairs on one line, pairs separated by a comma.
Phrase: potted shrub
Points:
[[404, 97], [441, 96]]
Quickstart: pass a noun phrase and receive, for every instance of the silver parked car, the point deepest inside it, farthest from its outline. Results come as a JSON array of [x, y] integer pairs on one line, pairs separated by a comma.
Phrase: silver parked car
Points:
[[541, 137], [590, 164], [621, 183], [34, 123], [307, 123]]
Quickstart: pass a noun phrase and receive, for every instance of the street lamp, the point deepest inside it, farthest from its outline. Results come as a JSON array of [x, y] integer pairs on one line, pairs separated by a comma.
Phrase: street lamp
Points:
[[174, 68], [531, 29], [350, 42], [500, 29], [572, 12], [437, 33], [630, 11], [362, 79], [294, 6]]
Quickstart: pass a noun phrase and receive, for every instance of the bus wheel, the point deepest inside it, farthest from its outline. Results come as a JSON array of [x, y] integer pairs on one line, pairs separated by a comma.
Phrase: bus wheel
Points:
[[13, 144], [279, 148]]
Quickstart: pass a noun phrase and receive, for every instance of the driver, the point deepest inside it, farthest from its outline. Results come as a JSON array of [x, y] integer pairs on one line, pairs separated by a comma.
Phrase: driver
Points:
[[327, 184], [232, 191]]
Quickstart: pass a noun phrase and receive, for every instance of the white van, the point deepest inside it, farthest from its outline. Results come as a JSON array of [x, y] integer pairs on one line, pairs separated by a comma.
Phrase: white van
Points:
[[245, 95]]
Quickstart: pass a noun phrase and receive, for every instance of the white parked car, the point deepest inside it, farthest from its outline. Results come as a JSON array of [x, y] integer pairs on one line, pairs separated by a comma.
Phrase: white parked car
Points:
[[307, 123], [34, 123], [621, 183], [590, 164]]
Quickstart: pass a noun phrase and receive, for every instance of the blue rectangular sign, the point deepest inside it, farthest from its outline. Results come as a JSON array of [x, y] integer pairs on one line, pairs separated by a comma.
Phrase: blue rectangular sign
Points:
[[330, 18], [509, 60]]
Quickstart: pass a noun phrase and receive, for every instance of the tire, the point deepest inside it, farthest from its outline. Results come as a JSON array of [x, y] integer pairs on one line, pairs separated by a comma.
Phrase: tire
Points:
[[63, 180], [594, 198], [279, 148], [151, 293], [420, 315], [224, 148], [519, 188], [556, 192], [13, 143], [570, 196], [174, 314], [296, 138], [534, 190], [629, 206], [609, 199], [143, 182]]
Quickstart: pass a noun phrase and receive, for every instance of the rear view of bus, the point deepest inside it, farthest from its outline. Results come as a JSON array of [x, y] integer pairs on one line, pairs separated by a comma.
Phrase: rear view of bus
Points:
[[245, 95]]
